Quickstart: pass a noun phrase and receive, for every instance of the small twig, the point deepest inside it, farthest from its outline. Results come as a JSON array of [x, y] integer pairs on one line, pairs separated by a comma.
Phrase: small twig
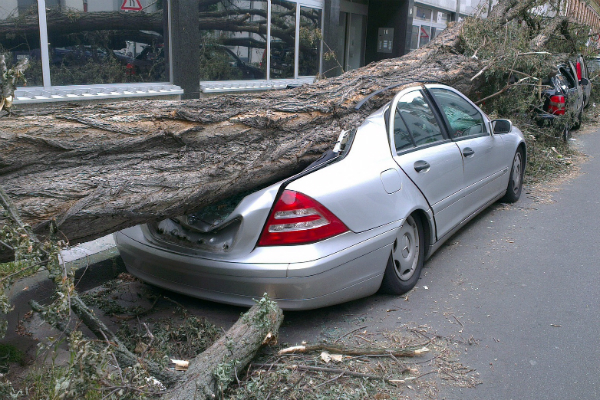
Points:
[[323, 369], [7, 245], [426, 373], [349, 333], [331, 380], [356, 351]]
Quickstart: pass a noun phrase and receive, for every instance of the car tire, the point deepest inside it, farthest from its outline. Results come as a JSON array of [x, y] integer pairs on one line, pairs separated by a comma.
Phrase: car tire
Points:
[[515, 182], [406, 259]]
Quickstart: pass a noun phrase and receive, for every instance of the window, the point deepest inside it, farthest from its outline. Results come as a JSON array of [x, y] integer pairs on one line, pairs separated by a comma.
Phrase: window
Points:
[[233, 41], [423, 14], [234, 35], [424, 35], [464, 119], [283, 28], [414, 110], [310, 41], [24, 43], [402, 138], [103, 45]]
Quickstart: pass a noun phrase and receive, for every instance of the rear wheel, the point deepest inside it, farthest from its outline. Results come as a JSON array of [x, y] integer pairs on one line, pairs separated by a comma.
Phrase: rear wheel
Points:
[[515, 182], [407, 258]]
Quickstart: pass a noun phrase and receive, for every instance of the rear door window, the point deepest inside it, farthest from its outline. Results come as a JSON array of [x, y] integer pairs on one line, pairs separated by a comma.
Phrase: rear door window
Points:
[[463, 118], [414, 114]]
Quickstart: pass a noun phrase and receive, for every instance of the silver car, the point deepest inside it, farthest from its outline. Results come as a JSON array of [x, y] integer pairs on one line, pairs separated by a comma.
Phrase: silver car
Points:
[[363, 218]]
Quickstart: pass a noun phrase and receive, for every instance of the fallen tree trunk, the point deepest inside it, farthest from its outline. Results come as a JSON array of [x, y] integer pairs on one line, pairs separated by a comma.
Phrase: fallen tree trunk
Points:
[[97, 169], [101, 168], [210, 372]]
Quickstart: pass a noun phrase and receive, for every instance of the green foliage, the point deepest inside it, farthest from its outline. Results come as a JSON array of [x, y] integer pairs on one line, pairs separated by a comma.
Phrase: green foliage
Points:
[[171, 339]]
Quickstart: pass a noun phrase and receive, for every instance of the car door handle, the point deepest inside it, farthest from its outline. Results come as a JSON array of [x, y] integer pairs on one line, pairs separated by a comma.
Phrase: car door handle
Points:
[[422, 166], [468, 152]]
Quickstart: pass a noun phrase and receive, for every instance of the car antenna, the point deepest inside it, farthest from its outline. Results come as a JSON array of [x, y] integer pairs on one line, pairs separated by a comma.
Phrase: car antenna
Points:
[[375, 93]]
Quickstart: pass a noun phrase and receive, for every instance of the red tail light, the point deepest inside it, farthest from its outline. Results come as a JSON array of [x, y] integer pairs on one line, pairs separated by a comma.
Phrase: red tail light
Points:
[[578, 68], [557, 105], [298, 219]]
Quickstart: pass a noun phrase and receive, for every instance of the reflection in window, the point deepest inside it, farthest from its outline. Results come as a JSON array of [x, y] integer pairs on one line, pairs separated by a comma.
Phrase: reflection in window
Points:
[[233, 40], [464, 119], [103, 45], [283, 34], [21, 39], [402, 138], [310, 41], [419, 118], [424, 35], [423, 14], [414, 38]]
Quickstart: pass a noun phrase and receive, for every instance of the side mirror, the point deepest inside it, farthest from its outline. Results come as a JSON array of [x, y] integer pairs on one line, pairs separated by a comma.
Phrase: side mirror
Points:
[[501, 126], [584, 82]]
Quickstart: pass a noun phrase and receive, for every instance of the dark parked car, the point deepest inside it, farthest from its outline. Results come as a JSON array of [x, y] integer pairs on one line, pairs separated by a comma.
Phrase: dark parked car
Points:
[[218, 63], [565, 95]]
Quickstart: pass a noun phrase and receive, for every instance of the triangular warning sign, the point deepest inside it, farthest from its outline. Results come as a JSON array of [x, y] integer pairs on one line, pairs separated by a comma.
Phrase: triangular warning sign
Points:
[[132, 5]]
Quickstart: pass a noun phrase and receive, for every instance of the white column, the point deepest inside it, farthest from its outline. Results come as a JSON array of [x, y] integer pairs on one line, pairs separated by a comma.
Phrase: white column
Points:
[[44, 43], [297, 42]]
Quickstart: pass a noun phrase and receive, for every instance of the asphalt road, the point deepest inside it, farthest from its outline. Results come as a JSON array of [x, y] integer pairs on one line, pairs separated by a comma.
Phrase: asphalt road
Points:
[[523, 281]]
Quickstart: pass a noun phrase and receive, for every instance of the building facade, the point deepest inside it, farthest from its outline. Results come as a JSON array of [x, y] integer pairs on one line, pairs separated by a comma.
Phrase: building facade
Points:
[[119, 49]]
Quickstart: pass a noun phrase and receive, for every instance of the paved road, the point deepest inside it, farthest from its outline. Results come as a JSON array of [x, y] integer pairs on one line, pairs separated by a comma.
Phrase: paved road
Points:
[[524, 281]]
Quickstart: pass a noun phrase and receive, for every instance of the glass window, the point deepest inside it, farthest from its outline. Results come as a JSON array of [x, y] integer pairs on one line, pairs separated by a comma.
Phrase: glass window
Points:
[[419, 118], [310, 41], [423, 14], [442, 17], [233, 40], [414, 38], [402, 138], [424, 35], [22, 39], [98, 45], [283, 37], [463, 117]]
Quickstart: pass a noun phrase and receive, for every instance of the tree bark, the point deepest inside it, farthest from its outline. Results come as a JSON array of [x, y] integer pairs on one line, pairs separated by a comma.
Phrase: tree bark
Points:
[[229, 355], [97, 169]]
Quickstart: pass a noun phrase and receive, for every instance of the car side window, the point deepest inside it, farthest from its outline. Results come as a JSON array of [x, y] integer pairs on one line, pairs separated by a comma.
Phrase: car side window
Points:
[[464, 119], [402, 137], [414, 111]]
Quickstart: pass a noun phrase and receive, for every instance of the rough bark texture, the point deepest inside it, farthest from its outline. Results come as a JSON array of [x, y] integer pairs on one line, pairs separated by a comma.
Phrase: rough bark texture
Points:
[[101, 168], [229, 355]]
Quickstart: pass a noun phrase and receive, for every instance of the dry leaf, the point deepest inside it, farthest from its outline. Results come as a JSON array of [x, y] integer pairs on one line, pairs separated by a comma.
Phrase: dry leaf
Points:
[[325, 357]]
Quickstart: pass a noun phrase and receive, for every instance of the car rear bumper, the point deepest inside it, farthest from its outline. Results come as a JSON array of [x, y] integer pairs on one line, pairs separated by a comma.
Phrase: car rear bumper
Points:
[[350, 273]]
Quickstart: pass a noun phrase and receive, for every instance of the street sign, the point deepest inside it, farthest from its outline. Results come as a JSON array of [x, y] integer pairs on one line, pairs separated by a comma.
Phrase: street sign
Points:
[[132, 5]]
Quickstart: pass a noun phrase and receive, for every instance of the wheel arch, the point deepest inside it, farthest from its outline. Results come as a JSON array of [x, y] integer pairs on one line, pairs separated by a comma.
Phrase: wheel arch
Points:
[[428, 229]]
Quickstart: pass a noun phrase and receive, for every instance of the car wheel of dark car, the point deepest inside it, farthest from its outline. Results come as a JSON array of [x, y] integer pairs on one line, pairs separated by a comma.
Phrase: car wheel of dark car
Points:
[[515, 183], [406, 261]]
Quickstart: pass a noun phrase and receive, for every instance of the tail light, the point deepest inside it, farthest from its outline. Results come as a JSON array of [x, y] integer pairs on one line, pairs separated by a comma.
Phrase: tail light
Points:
[[299, 219], [557, 105], [578, 68]]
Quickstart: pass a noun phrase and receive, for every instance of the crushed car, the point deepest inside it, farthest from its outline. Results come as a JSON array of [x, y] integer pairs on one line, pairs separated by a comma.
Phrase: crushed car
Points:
[[362, 219]]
